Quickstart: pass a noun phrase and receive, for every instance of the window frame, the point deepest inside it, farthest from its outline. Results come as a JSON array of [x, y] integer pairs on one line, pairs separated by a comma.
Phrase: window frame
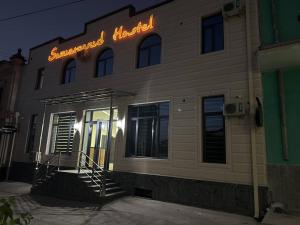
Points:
[[69, 150], [202, 34], [148, 50], [40, 79], [31, 133], [155, 136], [98, 60], [69, 69], [203, 130]]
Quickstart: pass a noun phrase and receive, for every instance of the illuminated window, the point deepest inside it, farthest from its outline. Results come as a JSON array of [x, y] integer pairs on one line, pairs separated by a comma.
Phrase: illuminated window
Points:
[[31, 133], [147, 130], [105, 62], [69, 72], [40, 79], [149, 52], [214, 149], [62, 134], [212, 33]]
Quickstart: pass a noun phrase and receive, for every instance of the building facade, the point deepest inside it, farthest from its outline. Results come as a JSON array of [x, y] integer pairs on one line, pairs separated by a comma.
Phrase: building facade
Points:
[[10, 77], [142, 94], [280, 65]]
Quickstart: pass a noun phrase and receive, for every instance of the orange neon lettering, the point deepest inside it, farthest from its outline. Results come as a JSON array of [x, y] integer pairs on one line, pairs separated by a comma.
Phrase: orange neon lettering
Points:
[[120, 33], [55, 54]]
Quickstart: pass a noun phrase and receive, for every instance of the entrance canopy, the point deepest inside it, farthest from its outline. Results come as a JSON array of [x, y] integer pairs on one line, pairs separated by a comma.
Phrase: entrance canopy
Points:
[[86, 96]]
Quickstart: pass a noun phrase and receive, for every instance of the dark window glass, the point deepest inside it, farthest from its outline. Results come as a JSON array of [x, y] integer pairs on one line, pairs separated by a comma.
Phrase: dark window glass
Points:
[[69, 72], [105, 63], [40, 79], [147, 131], [149, 52], [214, 147], [62, 132], [212, 33], [31, 133]]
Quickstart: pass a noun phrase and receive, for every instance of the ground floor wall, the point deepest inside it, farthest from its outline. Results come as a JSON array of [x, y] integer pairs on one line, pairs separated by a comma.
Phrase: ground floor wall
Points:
[[283, 171], [228, 197]]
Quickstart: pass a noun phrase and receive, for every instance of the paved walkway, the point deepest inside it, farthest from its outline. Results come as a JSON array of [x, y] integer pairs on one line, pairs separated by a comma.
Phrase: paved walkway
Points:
[[125, 211]]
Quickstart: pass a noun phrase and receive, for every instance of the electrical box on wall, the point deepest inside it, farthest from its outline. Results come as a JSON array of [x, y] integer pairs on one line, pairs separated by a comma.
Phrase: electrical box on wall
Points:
[[232, 7], [234, 109]]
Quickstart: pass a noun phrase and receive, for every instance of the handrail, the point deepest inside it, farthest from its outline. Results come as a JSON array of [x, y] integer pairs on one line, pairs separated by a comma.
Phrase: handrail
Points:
[[96, 174]]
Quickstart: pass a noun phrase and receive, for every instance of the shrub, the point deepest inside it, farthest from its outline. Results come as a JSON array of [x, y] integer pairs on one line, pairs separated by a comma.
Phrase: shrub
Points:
[[7, 214]]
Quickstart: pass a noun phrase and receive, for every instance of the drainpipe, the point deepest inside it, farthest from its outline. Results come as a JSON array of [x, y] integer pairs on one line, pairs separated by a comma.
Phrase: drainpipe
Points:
[[284, 131], [252, 111]]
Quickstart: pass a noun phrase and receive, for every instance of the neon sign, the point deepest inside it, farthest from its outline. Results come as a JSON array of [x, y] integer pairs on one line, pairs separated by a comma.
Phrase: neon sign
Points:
[[119, 34], [84, 47]]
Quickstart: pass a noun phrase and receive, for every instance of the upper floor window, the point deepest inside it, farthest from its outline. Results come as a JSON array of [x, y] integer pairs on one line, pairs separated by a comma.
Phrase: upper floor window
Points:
[[105, 62], [69, 72], [149, 52], [212, 33], [214, 147], [40, 79]]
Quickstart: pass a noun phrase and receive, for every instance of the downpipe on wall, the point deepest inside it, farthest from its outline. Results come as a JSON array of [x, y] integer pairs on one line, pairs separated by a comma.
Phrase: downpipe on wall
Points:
[[252, 111]]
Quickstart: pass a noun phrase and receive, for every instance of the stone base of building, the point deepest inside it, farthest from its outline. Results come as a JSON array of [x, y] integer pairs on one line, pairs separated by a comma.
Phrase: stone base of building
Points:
[[284, 183], [21, 171], [233, 198]]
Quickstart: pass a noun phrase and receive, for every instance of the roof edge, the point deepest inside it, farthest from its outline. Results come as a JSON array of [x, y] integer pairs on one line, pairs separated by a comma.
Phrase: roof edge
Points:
[[132, 12]]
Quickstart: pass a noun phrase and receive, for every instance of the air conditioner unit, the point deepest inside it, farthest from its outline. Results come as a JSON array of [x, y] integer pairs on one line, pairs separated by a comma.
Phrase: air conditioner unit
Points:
[[232, 7], [234, 109]]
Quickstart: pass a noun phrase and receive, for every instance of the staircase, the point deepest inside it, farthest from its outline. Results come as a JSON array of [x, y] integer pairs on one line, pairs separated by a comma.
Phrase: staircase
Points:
[[84, 184]]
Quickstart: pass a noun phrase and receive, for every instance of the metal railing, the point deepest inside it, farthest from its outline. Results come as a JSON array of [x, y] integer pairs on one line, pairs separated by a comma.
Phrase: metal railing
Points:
[[85, 166]]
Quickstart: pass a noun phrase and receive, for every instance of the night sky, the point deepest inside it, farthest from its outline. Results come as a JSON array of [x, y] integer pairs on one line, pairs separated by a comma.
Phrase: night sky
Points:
[[29, 31]]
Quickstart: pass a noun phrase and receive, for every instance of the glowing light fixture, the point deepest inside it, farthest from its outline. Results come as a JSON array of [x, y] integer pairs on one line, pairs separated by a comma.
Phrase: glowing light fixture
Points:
[[120, 33], [55, 54]]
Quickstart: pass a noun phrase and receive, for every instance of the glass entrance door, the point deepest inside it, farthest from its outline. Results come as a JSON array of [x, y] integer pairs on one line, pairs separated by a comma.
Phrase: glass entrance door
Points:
[[96, 136]]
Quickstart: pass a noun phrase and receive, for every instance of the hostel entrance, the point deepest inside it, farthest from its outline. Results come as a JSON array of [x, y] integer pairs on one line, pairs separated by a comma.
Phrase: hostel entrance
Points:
[[95, 138]]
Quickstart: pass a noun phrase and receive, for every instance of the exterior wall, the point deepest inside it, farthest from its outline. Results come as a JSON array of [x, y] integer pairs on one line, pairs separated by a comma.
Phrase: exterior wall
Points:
[[283, 174], [183, 77], [286, 13]]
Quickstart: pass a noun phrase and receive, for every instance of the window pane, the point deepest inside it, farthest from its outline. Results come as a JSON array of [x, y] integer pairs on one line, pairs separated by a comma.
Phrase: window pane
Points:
[[70, 72], [109, 66], [145, 132], [213, 130], [219, 37], [151, 40], [163, 137], [214, 104], [101, 69], [150, 51], [63, 132], [148, 110], [207, 40], [155, 55], [212, 33], [152, 127], [164, 109], [143, 58], [131, 138], [32, 132], [106, 54]]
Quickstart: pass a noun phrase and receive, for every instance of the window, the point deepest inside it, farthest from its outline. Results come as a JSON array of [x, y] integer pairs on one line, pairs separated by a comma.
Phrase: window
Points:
[[31, 134], [40, 79], [147, 130], [62, 132], [69, 72], [149, 52], [212, 33], [105, 63], [214, 150]]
